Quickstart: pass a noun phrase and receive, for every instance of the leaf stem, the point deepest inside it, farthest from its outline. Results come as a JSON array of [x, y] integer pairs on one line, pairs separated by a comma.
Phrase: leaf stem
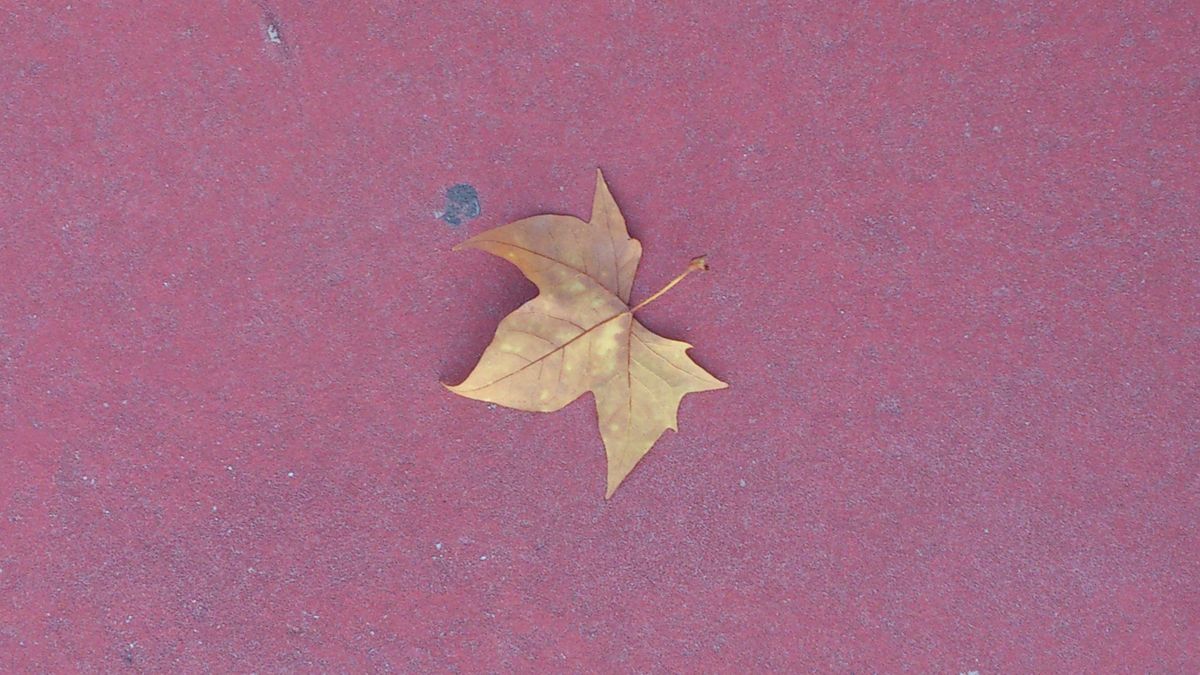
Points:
[[699, 264]]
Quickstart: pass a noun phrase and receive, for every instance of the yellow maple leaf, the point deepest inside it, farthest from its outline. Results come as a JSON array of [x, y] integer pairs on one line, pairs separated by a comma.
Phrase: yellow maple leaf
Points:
[[579, 334]]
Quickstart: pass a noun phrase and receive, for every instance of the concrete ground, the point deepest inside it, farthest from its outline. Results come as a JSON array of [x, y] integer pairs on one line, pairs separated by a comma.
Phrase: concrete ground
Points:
[[956, 271]]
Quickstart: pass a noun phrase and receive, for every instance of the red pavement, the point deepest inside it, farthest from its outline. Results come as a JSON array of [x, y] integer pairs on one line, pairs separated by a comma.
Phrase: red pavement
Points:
[[955, 293]]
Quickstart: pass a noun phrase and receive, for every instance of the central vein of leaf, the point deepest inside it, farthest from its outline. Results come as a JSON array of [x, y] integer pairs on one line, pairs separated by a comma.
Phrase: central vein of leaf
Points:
[[543, 357], [697, 264]]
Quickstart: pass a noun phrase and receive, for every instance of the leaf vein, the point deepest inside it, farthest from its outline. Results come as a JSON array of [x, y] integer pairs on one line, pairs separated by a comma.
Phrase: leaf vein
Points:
[[660, 356], [543, 356], [557, 318], [525, 332], [556, 261]]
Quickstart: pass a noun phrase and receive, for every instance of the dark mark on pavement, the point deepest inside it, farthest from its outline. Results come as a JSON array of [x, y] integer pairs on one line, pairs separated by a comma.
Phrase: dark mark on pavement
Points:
[[274, 29], [462, 204]]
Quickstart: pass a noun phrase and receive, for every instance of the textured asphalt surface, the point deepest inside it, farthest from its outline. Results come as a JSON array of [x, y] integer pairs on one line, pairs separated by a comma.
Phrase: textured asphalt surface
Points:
[[956, 271]]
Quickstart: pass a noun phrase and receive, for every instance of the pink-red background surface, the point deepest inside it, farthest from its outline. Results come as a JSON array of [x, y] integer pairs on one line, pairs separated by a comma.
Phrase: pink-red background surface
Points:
[[956, 261]]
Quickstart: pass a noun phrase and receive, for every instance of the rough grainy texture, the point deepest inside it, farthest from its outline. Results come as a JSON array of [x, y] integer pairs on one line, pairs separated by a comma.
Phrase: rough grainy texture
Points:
[[955, 285]]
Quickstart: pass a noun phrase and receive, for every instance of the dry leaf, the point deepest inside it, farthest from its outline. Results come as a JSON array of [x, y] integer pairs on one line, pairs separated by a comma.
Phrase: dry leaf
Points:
[[579, 333]]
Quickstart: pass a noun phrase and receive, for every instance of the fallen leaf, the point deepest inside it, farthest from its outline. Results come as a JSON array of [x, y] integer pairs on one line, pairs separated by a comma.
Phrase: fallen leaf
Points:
[[579, 334]]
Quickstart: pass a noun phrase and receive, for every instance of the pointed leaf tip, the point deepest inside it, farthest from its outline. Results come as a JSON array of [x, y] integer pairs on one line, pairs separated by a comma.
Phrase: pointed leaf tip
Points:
[[603, 192]]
